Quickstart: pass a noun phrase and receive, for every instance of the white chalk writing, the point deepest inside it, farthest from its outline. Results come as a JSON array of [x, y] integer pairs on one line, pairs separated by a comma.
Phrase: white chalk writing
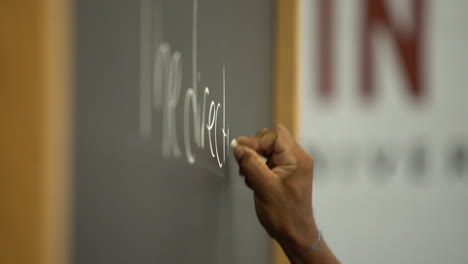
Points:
[[166, 91]]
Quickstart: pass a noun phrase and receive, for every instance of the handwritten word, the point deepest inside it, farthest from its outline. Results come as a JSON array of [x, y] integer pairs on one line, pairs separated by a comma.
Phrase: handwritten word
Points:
[[203, 114]]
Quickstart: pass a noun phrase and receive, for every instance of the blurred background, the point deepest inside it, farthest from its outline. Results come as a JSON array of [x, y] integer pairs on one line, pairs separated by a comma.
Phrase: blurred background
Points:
[[383, 111], [375, 90]]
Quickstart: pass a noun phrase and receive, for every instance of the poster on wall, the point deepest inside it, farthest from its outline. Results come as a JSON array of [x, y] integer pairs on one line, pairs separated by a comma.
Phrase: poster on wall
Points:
[[383, 112]]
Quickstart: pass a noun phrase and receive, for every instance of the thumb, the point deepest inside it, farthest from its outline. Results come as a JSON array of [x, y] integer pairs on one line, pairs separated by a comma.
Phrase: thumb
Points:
[[258, 176]]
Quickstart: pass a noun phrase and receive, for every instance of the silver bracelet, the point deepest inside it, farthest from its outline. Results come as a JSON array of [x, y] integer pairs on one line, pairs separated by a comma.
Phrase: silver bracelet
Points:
[[314, 246]]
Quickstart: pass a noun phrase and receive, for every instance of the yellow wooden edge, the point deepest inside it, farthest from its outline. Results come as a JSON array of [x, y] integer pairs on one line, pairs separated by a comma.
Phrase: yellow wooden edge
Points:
[[34, 111], [287, 64], [286, 82], [57, 131], [19, 135]]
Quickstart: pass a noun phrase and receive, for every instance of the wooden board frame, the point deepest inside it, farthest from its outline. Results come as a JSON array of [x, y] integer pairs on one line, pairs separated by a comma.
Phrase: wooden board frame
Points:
[[34, 131], [286, 77]]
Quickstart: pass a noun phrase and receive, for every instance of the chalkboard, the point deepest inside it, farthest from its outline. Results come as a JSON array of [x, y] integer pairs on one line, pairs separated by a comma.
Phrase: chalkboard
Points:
[[161, 87]]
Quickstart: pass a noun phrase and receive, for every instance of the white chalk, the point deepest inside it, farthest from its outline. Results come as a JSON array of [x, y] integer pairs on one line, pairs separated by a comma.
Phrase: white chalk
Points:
[[234, 143], [261, 158]]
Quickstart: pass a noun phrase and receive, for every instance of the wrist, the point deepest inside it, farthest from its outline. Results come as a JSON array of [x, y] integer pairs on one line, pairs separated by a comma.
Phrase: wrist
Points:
[[297, 239]]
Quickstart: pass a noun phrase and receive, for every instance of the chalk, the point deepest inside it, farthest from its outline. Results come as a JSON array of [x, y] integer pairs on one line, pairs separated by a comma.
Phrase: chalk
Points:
[[234, 143]]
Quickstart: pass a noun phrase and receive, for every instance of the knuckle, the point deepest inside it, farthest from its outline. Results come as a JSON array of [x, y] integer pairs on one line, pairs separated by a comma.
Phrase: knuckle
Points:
[[276, 133], [281, 130], [283, 135], [279, 127]]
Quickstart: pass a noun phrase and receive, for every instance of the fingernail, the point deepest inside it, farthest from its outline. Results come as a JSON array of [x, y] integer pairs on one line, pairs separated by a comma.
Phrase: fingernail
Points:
[[239, 152]]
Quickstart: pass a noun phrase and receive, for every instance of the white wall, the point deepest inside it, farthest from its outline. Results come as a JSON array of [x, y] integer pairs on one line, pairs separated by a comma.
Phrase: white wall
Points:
[[392, 215]]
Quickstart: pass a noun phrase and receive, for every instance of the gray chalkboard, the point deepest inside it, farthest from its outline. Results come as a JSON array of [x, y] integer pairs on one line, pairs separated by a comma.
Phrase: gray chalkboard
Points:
[[137, 199]]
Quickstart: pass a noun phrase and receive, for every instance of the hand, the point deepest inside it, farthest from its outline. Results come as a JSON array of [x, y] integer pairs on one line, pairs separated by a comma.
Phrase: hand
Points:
[[283, 192], [282, 187]]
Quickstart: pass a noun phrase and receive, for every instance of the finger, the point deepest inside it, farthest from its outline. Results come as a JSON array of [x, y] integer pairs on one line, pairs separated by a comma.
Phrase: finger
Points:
[[254, 141], [262, 142], [251, 142], [258, 176], [269, 141]]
